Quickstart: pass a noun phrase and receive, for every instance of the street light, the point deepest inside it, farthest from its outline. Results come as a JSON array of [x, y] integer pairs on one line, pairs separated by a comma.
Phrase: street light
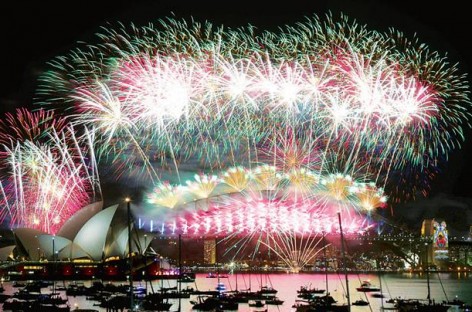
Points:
[[145, 262], [145, 244], [130, 262]]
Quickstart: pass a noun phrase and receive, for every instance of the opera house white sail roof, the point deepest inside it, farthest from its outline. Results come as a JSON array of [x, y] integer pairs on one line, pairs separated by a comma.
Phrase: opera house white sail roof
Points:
[[92, 233]]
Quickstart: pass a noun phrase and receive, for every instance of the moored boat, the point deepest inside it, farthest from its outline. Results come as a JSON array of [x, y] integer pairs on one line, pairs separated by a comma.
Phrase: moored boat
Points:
[[405, 305], [360, 302], [306, 292]]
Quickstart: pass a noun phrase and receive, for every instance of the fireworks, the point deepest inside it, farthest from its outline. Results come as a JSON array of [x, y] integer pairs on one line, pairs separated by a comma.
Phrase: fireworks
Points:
[[284, 129], [266, 207], [29, 126], [47, 175], [326, 95]]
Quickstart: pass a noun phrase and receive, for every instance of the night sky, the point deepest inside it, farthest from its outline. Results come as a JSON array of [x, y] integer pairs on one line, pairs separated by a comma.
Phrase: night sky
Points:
[[34, 33]]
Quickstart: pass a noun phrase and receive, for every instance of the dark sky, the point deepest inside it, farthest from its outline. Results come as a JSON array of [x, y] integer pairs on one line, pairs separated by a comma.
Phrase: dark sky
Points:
[[33, 33]]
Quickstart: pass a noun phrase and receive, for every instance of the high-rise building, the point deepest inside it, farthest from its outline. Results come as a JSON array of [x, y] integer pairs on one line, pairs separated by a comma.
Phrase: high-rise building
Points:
[[209, 251]]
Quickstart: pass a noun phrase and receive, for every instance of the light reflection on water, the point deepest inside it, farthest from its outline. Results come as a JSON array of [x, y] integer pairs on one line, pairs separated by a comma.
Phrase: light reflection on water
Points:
[[443, 286]]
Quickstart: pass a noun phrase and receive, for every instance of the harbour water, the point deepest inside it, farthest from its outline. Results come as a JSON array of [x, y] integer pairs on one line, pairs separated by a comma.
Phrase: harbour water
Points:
[[443, 286]]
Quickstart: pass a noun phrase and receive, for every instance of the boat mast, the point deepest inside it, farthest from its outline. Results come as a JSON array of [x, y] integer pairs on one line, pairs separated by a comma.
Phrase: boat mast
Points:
[[217, 269], [427, 273], [344, 263], [325, 269], [380, 283], [130, 260], [54, 261], [180, 272], [236, 275]]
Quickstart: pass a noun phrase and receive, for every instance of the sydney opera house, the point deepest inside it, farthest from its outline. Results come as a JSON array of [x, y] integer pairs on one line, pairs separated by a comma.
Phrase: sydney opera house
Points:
[[93, 243]]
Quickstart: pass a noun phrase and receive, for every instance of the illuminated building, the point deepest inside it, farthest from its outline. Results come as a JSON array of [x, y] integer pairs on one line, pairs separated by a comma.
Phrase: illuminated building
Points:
[[209, 251], [437, 246]]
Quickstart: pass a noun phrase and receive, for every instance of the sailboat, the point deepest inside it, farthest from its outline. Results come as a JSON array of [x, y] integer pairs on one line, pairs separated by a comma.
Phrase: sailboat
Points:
[[428, 305], [157, 301], [306, 292], [327, 303], [404, 305], [367, 286], [266, 289]]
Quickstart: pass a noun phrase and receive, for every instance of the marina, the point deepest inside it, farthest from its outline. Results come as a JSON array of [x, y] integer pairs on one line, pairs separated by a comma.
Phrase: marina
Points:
[[445, 287]]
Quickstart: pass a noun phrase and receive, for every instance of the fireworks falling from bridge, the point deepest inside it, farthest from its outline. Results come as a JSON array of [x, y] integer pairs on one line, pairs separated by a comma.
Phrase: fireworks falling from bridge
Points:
[[268, 207]]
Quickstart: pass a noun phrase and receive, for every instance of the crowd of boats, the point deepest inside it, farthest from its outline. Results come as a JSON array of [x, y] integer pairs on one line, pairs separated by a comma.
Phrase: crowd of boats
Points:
[[316, 300], [39, 296]]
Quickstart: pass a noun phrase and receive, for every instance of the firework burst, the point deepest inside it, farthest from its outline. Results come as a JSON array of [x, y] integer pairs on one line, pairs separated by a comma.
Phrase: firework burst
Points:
[[43, 185], [261, 204], [349, 99], [47, 174]]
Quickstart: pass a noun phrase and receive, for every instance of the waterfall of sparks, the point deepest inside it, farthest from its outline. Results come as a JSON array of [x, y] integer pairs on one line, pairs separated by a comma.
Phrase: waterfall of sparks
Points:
[[268, 207]]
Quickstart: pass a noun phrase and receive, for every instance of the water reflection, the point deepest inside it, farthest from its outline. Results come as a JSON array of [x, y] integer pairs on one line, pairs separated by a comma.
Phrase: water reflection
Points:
[[444, 286]]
